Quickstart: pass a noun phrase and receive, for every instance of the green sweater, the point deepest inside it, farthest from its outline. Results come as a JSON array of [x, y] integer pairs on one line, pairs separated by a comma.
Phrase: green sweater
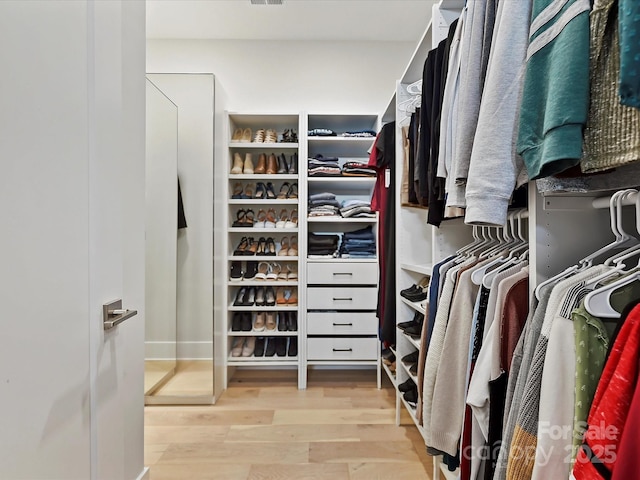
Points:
[[555, 99]]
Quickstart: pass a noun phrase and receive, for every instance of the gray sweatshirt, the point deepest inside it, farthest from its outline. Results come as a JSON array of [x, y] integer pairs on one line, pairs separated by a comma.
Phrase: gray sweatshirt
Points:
[[495, 169]]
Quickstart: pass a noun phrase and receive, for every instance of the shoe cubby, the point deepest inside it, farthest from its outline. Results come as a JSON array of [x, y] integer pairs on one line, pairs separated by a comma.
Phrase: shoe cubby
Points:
[[262, 238]]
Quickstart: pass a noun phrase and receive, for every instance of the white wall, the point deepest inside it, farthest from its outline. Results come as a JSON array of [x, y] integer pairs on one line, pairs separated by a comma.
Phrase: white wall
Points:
[[288, 76]]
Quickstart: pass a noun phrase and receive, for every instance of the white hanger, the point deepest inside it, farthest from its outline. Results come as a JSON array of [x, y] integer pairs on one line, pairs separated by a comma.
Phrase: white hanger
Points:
[[587, 260], [635, 249], [598, 302], [415, 88]]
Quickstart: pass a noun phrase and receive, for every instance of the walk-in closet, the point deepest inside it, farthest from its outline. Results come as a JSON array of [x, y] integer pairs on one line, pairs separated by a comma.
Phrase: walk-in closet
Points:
[[320, 239]]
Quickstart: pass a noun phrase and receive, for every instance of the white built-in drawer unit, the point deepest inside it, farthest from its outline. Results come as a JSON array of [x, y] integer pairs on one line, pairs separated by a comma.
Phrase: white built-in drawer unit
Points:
[[342, 298], [342, 348], [342, 323], [342, 273]]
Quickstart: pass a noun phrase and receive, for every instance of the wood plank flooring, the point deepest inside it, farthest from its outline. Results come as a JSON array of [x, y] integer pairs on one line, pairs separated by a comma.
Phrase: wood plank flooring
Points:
[[263, 428]]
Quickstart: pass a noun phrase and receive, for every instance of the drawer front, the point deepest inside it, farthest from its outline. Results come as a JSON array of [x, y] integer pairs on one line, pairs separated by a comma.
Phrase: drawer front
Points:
[[342, 273], [345, 298], [341, 323], [342, 348]]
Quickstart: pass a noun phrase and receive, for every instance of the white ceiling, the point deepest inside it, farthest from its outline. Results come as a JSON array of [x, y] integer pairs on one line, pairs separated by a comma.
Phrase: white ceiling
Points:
[[351, 20]]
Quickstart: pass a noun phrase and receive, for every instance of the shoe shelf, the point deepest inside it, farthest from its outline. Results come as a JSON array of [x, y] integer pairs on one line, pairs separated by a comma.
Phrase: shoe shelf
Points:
[[415, 305], [260, 361], [416, 268], [264, 333], [261, 308], [411, 410], [391, 375], [263, 176], [258, 202], [263, 258], [257, 231], [413, 341], [263, 283], [411, 376], [264, 145]]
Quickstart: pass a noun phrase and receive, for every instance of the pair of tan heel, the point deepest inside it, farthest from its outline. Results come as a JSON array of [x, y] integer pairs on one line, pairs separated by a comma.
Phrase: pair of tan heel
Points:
[[242, 135], [242, 166]]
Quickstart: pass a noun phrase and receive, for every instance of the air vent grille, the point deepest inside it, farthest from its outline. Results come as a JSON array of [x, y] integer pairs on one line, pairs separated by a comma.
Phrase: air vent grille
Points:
[[266, 2]]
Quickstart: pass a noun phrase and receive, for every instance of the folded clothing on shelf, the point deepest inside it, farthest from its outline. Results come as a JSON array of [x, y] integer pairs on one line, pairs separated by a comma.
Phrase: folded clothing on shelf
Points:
[[320, 166], [356, 209], [357, 169], [323, 244], [361, 243], [321, 132], [359, 134]]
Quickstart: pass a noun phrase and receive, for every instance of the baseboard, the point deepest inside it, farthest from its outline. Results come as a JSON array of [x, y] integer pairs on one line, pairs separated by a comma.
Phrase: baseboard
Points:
[[145, 475]]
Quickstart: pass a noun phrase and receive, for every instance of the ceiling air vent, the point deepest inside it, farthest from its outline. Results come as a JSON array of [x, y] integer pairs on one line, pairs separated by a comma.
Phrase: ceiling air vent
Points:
[[266, 2]]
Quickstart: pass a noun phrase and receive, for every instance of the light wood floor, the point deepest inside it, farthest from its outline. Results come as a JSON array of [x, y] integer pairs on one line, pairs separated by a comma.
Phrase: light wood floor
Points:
[[264, 428]]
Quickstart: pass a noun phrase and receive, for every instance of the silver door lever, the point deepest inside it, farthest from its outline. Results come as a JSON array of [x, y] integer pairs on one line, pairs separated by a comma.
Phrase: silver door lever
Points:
[[113, 314]]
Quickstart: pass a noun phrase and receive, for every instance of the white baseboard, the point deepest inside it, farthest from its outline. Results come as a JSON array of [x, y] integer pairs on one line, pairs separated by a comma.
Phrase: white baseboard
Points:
[[144, 475]]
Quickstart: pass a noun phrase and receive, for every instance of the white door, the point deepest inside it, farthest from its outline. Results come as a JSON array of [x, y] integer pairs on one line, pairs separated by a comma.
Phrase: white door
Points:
[[71, 239]]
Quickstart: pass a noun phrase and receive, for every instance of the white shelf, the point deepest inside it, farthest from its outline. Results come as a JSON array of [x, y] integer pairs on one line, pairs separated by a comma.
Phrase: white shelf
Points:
[[423, 269], [259, 201], [340, 259], [262, 258], [266, 283], [263, 308], [272, 176], [252, 361], [265, 333], [261, 230], [406, 369], [341, 220], [341, 178], [390, 374], [411, 410], [258, 145], [410, 339], [338, 139], [342, 362], [415, 305]]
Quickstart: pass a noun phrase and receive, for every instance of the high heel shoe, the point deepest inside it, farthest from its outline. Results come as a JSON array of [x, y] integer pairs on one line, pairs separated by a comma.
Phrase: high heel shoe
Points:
[[261, 191], [271, 195], [293, 164], [270, 297], [260, 296], [276, 272], [262, 245], [292, 222], [280, 296], [263, 271], [270, 249], [248, 190], [270, 220], [293, 191], [270, 136], [259, 137], [248, 218], [238, 191], [262, 216], [259, 324], [249, 345], [246, 135], [282, 164], [284, 247], [241, 296], [253, 247], [236, 349], [262, 164], [237, 135], [272, 165], [293, 249], [238, 165], [248, 164], [284, 189], [292, 299], [284, 217], [271, 321], [242, 246], [241, 216]]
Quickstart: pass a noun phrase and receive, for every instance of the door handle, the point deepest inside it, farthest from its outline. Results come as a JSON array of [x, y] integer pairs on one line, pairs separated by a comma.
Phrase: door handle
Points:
[[113, 314]]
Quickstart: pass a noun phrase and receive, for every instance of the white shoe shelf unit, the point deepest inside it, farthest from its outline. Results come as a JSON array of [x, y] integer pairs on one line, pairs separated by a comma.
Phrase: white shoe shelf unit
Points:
[[418, 245], [341, 299], [242, 190]]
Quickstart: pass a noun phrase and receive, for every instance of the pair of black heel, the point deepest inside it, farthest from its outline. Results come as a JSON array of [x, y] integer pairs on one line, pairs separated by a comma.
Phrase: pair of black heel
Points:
[[280, 346], [290, 166]]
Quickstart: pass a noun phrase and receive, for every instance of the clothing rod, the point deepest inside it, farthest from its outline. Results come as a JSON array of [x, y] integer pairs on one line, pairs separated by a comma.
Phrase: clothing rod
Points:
[[603, 202]]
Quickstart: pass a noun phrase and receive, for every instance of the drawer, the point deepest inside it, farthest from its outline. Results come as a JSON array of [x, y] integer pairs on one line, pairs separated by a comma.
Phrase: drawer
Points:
[[342, 298], [342, 323], [342, 273], [342, 348]]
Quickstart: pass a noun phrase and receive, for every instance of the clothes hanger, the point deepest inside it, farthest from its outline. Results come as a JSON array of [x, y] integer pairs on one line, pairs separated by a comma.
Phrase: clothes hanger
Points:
[[415, 88], [513, 258], [584, 262], [478, 274], [598, 302], [635, 249], [476, 241]]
